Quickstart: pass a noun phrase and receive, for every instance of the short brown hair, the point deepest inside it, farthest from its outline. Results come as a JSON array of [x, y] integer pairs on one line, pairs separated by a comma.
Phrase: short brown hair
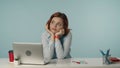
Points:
[[65, 21]]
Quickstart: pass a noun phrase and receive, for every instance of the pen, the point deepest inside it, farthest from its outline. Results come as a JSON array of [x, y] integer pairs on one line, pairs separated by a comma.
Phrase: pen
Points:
[[76, 62], [102, 52], [108, 52]]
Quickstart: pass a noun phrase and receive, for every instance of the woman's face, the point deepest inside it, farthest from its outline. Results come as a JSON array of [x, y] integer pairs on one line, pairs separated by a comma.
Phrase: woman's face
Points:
[[56, 24]]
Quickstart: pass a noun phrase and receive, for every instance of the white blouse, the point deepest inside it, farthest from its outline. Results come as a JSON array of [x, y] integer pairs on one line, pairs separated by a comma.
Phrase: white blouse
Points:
[[56, 49]]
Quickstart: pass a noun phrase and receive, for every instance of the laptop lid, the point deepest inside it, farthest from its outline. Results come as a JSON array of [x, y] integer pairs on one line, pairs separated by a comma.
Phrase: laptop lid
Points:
[[29, 53]]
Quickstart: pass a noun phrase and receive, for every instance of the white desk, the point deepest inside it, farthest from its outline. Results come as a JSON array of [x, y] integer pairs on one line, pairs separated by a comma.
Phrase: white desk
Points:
[[66, 63]]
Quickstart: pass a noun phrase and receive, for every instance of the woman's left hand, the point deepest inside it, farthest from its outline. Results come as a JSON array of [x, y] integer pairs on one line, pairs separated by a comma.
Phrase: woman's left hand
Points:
[[60, 33]]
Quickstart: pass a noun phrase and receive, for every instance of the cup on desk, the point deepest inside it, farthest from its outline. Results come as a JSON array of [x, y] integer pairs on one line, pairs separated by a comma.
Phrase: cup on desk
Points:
[[106, 59], [11, 56], [17, 62]]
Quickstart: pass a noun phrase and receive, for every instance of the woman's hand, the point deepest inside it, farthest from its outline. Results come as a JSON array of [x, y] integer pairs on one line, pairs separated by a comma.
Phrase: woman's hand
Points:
[[60, 33], [46, 27], [52, 34]]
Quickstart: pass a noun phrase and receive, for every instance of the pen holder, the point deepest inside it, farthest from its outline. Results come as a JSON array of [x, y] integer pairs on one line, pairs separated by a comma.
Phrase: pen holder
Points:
[[106, 59]]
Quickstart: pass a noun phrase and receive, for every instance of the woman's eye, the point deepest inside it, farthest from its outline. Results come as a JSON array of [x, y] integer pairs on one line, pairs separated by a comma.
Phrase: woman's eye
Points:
[[52, 22], [60, 25]]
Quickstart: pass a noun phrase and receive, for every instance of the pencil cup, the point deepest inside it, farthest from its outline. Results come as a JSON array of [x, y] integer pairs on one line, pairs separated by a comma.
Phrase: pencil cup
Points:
[[106, 59], [103, 59], [17, 62]]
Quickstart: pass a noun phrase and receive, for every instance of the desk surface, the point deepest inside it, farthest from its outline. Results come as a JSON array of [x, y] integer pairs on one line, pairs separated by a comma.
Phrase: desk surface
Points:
[[66, 63]]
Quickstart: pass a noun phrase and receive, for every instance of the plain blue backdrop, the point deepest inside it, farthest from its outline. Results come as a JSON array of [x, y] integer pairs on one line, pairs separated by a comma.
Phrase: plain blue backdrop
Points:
[[95, 24]]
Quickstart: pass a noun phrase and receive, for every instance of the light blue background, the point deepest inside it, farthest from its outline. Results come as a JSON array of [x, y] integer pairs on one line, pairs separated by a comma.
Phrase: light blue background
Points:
[[95, 24]]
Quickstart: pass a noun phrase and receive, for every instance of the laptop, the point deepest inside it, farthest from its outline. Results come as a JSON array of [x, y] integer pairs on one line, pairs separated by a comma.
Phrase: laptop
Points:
[[29, 53]]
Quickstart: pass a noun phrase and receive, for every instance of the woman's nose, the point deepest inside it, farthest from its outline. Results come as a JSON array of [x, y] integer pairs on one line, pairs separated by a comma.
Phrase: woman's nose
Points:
[[55, 25]]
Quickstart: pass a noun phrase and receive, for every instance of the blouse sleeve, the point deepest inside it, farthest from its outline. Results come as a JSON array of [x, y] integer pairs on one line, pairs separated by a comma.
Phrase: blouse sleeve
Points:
[[48, 47], [63, 51]]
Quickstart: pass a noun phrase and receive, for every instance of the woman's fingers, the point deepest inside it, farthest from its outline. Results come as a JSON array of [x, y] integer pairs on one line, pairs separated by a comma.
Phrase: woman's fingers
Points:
[[46, 27], [61, 32]]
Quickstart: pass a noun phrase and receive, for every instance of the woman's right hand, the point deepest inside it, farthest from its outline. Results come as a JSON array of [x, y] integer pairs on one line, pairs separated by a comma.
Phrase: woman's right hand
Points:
[[52, 34], [46, 27]]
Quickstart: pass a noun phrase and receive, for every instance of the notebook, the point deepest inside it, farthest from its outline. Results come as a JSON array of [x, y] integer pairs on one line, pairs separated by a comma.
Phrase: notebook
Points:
[[29, 53]]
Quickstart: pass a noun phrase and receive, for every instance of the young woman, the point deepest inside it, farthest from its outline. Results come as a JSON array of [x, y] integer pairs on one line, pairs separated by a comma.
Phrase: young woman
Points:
[[57, 38]]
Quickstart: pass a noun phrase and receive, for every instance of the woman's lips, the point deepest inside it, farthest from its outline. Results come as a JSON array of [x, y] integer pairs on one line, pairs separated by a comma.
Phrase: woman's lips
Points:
[[54, 29]]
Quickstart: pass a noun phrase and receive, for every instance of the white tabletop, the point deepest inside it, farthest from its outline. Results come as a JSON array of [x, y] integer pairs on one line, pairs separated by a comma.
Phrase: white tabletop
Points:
[[66, 63]]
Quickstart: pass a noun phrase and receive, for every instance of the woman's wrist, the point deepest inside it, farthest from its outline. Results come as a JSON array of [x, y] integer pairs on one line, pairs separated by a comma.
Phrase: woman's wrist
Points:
[[52, 37], [56, 37]]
